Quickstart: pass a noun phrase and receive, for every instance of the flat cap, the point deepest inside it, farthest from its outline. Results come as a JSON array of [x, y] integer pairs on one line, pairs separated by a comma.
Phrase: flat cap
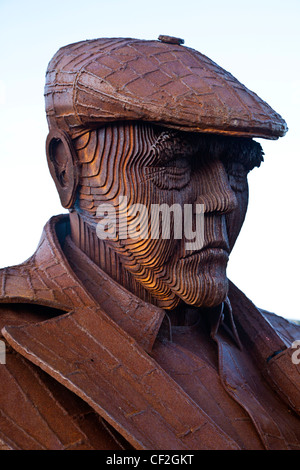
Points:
[[94, 82]]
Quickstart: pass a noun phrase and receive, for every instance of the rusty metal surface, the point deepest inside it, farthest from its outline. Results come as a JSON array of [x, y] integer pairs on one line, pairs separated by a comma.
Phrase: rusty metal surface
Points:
[[121, 383], [37, 413], [141, 342], [172, 399], [98, 81]]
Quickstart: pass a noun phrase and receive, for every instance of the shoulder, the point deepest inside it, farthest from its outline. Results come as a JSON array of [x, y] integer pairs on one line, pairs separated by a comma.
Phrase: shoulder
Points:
[[287, 329], [19, 303]]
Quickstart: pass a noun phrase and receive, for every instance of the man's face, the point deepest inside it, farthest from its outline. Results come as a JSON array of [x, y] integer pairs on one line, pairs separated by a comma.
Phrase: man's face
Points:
[[152, 167]]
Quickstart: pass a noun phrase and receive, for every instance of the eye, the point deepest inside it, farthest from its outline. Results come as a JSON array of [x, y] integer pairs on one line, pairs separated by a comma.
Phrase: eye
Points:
[[237, 175], [174, 174]]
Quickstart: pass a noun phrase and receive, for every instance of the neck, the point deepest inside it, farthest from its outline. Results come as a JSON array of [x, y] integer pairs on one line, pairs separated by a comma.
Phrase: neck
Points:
[[109, 259], [112, 263]]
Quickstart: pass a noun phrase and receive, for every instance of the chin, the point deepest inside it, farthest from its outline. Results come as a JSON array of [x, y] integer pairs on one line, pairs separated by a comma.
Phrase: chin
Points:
[[200, 284], [207, 294]]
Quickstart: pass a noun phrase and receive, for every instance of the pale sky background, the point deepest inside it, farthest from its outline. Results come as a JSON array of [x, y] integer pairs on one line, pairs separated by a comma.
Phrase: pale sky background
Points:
[[257, 41]]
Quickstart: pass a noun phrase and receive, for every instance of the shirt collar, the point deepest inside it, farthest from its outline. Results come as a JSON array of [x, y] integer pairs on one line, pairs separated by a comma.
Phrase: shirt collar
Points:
[[222, 318]]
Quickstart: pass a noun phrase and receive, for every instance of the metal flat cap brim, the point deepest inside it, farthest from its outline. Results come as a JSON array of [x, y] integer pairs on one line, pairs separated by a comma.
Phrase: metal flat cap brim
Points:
[[94, 82]]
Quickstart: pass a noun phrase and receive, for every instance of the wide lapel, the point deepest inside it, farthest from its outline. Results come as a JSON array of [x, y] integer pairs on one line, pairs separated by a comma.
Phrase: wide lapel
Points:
[[89, 354], [47, 278]]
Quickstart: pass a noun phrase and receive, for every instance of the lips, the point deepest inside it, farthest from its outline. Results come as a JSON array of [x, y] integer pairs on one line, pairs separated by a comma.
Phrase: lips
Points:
[[217, 245], [213, 249]]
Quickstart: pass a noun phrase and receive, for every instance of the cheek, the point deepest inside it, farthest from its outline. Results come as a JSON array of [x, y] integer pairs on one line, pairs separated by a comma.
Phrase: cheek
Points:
[[155, 251], [150, 238], [235, 219], [151, 253]]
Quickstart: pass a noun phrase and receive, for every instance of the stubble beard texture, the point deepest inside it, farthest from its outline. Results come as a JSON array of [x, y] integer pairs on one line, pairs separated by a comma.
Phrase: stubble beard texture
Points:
[[199, 280]]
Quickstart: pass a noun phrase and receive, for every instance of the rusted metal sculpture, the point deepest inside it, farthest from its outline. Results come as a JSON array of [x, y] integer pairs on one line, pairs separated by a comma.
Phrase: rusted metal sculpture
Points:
[[139, 342]]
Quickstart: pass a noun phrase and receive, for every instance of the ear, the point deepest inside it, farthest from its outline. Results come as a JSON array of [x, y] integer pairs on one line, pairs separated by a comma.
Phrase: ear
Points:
[[61, 159]]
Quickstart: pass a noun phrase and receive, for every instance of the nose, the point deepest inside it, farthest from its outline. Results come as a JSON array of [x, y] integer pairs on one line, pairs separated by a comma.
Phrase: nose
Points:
[[213, 189]]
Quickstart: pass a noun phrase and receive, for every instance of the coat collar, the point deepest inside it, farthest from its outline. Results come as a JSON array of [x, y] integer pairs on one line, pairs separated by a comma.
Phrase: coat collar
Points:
[[138, 318], [95, 357], [48, 279], [61, 276]]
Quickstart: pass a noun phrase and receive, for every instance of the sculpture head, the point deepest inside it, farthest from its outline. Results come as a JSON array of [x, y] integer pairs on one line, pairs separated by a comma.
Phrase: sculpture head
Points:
[[152, 123]]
